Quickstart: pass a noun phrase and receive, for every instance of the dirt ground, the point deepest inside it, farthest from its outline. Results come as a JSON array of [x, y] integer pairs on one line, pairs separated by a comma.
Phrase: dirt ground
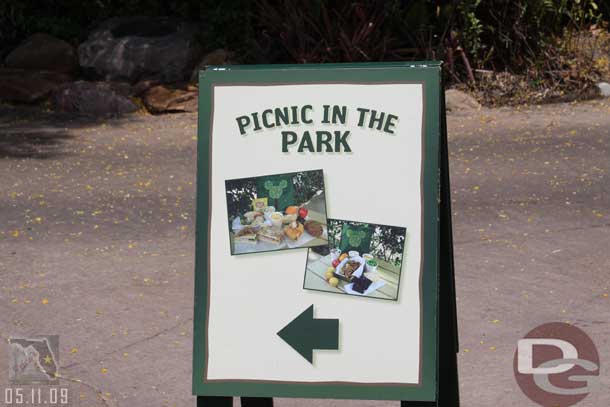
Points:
[[97, 244]]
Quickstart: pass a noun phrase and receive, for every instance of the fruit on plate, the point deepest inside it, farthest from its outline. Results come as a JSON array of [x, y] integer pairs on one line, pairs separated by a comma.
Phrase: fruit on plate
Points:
[[314, 228], [294, 230], [343, 256], [334, 281], [303, 213], [292, 210], [328, 275], [336, 262]]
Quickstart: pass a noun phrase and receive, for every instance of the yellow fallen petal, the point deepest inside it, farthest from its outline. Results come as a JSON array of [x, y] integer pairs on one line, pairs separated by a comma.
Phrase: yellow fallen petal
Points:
[[45, 301]]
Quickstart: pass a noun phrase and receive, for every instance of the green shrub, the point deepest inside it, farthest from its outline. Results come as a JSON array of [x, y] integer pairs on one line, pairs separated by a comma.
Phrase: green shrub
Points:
[[501, 35]]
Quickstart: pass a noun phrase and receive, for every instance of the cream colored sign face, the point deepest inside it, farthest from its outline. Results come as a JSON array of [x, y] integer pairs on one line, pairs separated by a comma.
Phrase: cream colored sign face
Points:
[[252, 297]]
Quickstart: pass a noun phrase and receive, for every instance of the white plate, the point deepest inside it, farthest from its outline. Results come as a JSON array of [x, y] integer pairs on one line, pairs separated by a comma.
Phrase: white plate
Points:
[[356, 273], [257, 247]]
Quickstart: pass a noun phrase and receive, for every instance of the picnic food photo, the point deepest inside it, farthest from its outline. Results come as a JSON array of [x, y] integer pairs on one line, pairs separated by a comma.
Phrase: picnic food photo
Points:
[[277, 212], [362, 259]]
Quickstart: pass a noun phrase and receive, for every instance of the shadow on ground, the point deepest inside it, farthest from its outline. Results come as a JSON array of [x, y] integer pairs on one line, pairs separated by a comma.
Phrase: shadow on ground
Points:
[[33, 144], [30, 132]]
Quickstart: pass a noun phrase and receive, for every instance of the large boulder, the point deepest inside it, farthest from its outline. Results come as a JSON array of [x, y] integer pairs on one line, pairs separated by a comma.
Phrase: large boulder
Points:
[[457, 100], [161, 99], [42, 52], [21, 86], [93, 98], [141, 48]]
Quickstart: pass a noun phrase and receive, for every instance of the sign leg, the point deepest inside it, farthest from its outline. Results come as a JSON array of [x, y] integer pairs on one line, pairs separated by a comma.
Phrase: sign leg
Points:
[[212, 401], [256, 402], [418, 404]]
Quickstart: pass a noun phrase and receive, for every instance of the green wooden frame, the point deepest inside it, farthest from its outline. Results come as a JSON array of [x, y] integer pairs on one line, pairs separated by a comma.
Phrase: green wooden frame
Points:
[[429, 75]]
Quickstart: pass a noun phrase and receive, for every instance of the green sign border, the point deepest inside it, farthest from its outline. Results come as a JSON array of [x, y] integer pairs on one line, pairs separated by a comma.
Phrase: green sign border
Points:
[[427, 73]]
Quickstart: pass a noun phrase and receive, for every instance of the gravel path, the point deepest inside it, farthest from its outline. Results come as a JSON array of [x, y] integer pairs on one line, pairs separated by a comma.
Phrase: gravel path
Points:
[[97, 243]]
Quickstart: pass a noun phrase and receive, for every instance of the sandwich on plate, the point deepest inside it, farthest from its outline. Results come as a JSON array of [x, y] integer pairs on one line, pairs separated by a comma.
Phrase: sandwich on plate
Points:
[[246, 235], [270, 235]]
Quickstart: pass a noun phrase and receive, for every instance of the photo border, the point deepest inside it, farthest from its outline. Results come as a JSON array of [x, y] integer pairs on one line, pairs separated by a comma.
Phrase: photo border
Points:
[[286, 248], [353, 295], [427, 74]]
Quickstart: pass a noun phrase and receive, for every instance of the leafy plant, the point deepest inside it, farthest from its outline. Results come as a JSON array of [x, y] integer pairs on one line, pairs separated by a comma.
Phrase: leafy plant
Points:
[[327, 31]]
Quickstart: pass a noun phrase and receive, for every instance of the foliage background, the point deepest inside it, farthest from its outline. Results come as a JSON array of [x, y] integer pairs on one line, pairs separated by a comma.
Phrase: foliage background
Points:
[[494, 33], [547, 44], [387, 243], [241, 192]]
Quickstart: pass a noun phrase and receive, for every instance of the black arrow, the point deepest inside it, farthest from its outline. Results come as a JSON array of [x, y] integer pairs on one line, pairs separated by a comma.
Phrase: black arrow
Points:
[[304, 334]]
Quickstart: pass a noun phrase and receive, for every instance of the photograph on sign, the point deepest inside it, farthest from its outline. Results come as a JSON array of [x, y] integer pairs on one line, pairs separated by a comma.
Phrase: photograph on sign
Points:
[[362, 259], [277, 212]]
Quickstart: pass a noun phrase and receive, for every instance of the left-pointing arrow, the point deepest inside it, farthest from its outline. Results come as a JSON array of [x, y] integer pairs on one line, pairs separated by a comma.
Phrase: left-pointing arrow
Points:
[[304, 334]]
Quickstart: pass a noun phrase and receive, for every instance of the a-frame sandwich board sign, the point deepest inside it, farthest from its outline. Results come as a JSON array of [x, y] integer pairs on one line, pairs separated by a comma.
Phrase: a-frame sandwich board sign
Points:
[[378, 134]]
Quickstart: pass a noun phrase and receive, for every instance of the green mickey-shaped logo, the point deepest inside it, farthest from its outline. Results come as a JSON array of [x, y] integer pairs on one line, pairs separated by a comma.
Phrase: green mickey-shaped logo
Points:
[[276, 191], [355, 237]]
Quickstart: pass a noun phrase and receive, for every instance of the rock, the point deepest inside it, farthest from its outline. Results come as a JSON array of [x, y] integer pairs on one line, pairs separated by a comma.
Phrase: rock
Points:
[[92, 98], [456, 100], [121, 88], [214, 58], [142, 86], [604, 89], [140, 48], [42, 52], [18, 85], [163, 100]]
